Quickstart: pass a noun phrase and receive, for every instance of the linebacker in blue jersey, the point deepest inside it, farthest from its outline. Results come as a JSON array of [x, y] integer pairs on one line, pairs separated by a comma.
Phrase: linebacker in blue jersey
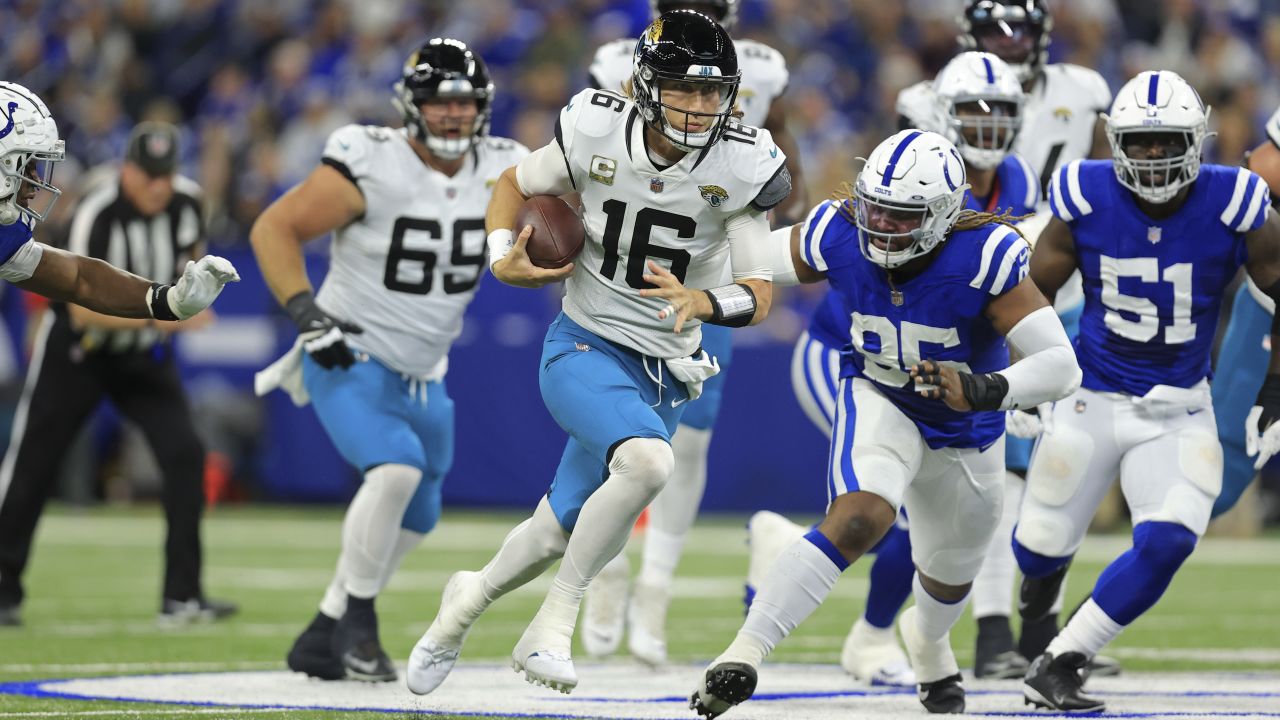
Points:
[[977, 103], [1157, 239], [931, 292]]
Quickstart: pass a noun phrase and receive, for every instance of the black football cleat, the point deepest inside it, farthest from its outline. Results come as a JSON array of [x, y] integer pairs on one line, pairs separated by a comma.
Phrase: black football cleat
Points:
[[177, 613], [994, 656], [1055, 683], [312, 653], [1101, 666], [724, 685], [943, 697], [1036, 599], [355, 643]]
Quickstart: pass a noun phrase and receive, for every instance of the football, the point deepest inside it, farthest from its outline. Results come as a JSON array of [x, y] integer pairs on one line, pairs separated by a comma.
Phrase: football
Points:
[[557, 231]]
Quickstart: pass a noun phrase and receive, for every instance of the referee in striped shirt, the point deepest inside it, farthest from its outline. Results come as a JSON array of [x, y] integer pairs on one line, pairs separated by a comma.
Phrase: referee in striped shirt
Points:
[[148, 221]]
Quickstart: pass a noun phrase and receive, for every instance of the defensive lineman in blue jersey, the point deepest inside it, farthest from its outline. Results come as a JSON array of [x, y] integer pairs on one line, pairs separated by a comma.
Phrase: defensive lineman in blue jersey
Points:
[[931, 292], [978, 106], [1157, 239]]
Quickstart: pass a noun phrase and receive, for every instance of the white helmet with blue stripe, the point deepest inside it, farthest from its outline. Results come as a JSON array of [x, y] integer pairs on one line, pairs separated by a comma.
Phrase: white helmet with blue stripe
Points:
[[1156, 127], [29, 146], [908, 196], [979, 107]]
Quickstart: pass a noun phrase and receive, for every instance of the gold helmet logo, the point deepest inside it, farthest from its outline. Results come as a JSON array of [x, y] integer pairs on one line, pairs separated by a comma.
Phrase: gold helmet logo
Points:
[[654, 32]]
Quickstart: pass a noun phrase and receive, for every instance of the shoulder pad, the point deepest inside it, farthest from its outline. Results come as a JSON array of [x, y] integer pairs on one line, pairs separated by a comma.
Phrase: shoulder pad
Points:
[[611, 66], [350, 147], [823, 235], [1005, 258], [594, 113], [916, 104], [1066, 193], [775, 190], [1250, 197], [1087, 82]]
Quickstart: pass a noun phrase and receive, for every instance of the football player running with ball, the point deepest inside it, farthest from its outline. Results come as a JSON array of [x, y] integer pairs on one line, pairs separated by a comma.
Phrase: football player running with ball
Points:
[[612, 604], [932, 292], [1157, 238], [407, 208], [672, 188]]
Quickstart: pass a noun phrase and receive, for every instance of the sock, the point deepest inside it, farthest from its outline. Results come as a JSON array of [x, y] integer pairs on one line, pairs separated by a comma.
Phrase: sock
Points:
[[795, 586], [661, 555], [528, 550], [1133, 582], [890, 582], [1088, 632], [993, 587], [637, 472], [672, 513], [935, 617], [334, 603], [372, 525]]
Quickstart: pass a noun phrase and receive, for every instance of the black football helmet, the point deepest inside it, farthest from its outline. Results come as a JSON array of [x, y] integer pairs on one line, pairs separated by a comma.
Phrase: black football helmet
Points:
[[444, 68], [686, 48], [990, 25], [724, 12]]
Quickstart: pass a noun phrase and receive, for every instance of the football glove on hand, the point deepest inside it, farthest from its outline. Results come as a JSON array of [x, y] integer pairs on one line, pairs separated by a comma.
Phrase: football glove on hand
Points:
[[1261, 431], [199, 286], [1029, 423], [323, 336]]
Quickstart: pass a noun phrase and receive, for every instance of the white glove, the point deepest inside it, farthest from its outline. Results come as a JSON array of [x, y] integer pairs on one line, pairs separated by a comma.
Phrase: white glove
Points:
[[200, 284], [1264, 444]]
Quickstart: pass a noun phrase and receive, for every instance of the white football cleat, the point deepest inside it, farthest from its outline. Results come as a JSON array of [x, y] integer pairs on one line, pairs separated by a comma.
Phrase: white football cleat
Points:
[[872, 655], [437, 650], [768, 534], [545, 660], [605, 611], [727, 682], [647, 623], [930, 661]]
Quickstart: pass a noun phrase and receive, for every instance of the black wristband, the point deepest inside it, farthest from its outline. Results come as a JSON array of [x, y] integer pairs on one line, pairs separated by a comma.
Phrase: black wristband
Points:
[[984, 392], [743, 300], [159, 301]]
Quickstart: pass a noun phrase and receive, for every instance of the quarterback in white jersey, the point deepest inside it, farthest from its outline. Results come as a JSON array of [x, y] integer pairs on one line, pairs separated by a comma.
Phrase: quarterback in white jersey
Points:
[[671, 189], [407, 209], [613, 605]]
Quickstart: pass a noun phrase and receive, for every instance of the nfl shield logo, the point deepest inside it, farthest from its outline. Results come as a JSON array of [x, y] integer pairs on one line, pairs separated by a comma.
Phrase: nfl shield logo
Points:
[[451, 193], [655, 185], [1153, 234]]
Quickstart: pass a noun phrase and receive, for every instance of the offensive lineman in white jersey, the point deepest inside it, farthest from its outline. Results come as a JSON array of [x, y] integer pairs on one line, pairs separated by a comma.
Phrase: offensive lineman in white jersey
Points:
[[407, 208], [612, 603], [1061, 123], [672, 189]]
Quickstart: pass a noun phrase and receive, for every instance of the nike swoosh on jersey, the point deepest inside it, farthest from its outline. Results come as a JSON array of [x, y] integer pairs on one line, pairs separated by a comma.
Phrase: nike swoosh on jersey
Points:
[[773, 153]]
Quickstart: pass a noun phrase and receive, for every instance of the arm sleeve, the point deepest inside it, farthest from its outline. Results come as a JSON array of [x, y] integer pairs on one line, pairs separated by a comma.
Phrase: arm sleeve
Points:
[[780, 261], [749, 247], [1048, 370], [22, 264], [544, 172]]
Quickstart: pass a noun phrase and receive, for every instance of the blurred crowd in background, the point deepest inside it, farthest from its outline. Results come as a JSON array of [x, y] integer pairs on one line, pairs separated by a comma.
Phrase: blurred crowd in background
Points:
[[257, 86]]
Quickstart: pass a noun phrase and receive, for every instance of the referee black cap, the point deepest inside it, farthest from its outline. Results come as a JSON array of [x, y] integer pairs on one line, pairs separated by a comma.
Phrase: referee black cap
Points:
[[153, 146]]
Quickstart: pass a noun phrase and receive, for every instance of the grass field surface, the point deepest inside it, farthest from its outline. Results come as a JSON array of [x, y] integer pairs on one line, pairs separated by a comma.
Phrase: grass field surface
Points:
[[93, 590]]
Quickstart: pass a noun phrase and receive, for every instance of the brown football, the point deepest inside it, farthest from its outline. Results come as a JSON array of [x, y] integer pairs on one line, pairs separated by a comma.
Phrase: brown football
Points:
[[557, 231]]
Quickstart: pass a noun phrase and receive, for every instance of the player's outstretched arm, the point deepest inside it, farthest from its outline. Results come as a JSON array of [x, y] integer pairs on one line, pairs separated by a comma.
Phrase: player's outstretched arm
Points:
[[106, 289], [1047, 372], [1054, 258]]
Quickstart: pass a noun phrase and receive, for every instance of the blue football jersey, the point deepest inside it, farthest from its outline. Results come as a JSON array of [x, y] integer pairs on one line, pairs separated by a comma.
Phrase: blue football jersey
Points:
[[1015, 190], [13, 237], [1153, 288], [940, 316]]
